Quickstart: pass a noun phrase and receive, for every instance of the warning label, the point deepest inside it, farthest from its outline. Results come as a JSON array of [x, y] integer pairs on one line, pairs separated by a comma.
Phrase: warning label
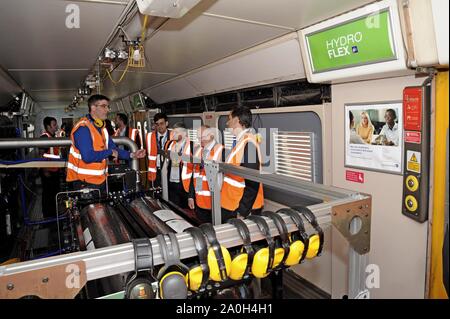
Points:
[[413, 161]]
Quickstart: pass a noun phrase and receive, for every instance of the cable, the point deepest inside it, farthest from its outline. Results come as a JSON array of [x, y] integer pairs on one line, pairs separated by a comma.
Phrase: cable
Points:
[[121, 77]]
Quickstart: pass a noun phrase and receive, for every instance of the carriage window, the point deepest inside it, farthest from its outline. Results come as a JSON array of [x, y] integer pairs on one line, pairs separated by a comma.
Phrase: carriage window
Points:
[[294, 155]]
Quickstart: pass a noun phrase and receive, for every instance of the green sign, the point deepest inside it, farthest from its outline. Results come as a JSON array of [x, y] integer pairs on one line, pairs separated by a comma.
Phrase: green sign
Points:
[[363, 41]]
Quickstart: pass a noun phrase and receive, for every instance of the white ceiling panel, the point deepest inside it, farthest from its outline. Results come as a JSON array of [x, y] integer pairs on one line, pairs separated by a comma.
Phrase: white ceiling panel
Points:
[[186, 44], [133, 81], [276, 62], [44, 96], [288, 13], [49, 79], [172, 91], [34, 33]]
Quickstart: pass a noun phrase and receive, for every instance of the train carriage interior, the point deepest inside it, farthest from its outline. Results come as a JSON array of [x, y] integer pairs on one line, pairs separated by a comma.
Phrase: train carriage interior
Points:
[[349, 114]]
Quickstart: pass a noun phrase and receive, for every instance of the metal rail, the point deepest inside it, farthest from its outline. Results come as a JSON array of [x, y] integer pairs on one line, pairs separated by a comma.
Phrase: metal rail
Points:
[[17, 143]]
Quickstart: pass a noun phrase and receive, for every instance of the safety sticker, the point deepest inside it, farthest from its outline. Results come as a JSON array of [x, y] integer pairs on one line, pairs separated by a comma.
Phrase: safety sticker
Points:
[[413, 159]]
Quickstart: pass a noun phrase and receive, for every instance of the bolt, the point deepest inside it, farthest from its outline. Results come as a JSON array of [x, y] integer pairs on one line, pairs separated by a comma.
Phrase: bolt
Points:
[[367, 215], [45, 280], [348, 211], [10, 286], [365, 249], [360, 207], [334, 214]]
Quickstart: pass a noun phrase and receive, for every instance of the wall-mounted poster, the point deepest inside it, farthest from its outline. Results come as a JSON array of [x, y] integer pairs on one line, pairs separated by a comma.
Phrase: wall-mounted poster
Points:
[[374, 136]]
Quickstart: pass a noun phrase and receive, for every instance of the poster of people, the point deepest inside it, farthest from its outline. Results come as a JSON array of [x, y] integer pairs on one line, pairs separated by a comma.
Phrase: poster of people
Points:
[[374, 136]]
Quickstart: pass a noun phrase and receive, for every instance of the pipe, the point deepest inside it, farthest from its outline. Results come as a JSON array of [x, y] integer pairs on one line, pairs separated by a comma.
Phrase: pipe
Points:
[[144, 211], [16, 143]]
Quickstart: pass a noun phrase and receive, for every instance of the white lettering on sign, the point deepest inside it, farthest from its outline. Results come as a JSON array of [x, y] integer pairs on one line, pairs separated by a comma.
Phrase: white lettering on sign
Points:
[[339, 47]]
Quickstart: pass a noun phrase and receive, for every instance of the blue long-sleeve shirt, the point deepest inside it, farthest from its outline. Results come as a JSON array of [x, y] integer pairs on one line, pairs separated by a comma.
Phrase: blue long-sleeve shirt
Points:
[[83, 142]]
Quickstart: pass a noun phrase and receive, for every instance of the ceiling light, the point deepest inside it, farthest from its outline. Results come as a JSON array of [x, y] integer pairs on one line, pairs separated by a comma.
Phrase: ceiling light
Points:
[[123, 55], [110, 54], [168, 9], [136, 55]]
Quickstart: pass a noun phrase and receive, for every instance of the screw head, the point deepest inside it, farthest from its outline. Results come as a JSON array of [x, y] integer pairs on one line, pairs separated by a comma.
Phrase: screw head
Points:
[[45, 280], [10, 286]]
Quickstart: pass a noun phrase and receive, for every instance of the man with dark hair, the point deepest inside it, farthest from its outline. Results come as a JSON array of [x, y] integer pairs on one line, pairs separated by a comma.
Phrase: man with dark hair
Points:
[[155, 141], [239, 196], [123, 129], [49, 176], [390, 129], [91, 147]]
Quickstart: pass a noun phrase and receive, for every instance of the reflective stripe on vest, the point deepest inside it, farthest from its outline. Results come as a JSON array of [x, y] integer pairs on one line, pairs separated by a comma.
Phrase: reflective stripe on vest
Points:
[[152, 151], [203, 197], [186, 170], [234, 185], [53, 153], [77, 169]]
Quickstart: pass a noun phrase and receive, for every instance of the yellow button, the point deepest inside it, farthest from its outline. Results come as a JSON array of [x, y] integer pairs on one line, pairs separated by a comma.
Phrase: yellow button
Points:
[[411, 203], [412, 183]]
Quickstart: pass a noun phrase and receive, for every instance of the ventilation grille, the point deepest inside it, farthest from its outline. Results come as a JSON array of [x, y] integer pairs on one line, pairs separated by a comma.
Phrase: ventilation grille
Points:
[[294, 155]]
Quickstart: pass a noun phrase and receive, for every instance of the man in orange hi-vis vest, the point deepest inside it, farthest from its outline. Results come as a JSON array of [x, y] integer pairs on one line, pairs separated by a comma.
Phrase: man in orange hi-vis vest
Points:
[[154, 142], [239, 196], [49, 176], [123, 129], [199, 194], [91, 147]]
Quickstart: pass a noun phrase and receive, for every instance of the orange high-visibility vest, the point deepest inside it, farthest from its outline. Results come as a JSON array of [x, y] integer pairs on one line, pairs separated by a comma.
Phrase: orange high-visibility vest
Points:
[[203, 196], [186, 167], [77, 169], [152, 151], [131, 134], [233, 186], [53, 153]]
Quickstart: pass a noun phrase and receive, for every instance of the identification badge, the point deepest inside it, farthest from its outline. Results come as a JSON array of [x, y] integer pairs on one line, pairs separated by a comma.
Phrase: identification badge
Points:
[[199, 184]]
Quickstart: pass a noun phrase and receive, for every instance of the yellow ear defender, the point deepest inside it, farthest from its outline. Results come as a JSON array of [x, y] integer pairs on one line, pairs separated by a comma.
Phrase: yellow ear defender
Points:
[[283, 235], [219, 258], [139, 285], [299, 239], [198, 275], [241, 263], [315, 241], [265, 258], [99, 123], [172, 276]]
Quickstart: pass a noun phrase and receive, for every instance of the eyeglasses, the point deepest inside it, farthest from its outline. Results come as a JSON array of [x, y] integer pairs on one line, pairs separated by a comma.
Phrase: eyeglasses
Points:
[[105, 106]]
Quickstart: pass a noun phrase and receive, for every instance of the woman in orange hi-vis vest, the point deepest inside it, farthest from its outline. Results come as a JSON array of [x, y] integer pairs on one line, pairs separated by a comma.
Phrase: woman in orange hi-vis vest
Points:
[[91, 146], [240, 197], [200, 194], [154, 142], [49, 176]]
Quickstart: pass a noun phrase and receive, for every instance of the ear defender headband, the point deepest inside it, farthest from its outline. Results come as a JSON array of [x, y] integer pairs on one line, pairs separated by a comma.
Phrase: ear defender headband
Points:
[[139, 285], [219, 258], [316, 240], [283, 234], [264, 258], [198, 275], [99, 123], [172, 280], [241, 264], [299, 239]]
